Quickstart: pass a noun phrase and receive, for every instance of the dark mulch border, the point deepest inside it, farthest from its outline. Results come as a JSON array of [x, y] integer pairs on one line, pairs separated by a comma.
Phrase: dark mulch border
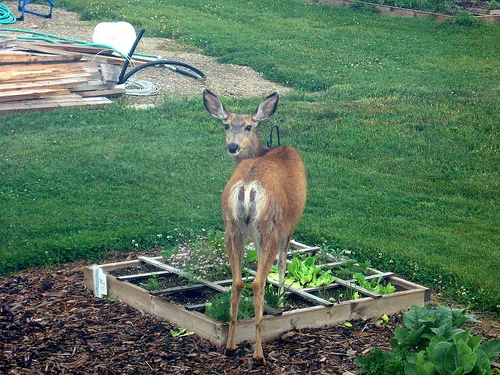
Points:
[[50, 323]]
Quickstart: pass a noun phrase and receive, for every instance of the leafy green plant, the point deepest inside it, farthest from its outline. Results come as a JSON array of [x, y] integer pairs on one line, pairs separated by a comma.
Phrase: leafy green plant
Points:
[[362, 7], [383, 319], [374, 284], [423, 323], [379, 362], [153, 283], [304, 274], [464, 18], [327, 253], [274, 297], [493, 5], [178, 332], [432, 343], [351, 267], [462, 354], [219, 306]]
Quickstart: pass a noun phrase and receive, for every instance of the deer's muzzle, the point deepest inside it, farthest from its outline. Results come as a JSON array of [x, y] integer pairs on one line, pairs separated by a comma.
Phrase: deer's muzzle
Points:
[[233, 148]]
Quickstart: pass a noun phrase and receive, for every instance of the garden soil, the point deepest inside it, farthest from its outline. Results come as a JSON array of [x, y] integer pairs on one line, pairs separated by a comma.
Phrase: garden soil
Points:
[[50, 323]]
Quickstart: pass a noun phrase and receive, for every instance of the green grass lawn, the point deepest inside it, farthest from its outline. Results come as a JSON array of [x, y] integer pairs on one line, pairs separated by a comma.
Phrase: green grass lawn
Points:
[[396, 119]]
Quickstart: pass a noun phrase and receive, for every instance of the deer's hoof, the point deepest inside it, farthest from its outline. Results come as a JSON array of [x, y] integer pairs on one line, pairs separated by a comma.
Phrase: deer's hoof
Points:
[[230, 351], [259, 361]]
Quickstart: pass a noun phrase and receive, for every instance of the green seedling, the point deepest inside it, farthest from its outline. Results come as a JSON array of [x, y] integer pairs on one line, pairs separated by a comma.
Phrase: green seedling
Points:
[[153, 283]]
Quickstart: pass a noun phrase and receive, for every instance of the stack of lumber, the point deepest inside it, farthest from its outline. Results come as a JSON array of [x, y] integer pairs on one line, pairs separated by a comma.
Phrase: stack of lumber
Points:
[[40, 76]]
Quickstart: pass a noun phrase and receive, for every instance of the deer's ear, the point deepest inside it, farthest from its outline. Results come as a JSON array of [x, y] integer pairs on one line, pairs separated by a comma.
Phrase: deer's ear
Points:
[[266, 108], [213, 105]]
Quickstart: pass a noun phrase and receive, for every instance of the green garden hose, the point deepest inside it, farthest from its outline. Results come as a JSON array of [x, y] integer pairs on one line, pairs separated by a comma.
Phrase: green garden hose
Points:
[[6, 16]]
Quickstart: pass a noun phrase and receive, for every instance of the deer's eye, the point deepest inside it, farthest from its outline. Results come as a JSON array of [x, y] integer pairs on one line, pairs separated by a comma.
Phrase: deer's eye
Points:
[[248, 128], [226, 126]]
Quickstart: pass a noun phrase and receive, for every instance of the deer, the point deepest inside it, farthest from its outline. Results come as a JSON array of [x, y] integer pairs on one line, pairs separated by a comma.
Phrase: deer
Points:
[[263, 201]]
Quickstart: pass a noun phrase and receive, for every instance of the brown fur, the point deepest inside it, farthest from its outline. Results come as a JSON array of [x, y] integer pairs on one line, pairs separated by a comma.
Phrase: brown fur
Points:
[[262, 201]]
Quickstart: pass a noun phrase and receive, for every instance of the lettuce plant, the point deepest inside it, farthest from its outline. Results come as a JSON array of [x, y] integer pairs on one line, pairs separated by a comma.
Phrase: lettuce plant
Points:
[[374, 284], [304, 274]]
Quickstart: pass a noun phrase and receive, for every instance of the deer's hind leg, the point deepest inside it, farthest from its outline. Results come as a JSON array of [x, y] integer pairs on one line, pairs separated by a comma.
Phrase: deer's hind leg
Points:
[[270, 247], [282, 264], [234, 246]]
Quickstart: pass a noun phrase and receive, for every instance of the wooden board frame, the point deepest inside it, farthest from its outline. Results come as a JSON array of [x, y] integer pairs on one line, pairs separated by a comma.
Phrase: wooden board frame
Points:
[[272, 326], [492, 18]]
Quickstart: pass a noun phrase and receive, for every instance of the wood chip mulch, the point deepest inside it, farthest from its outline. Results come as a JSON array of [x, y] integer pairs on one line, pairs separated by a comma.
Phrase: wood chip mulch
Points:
[[50, 323]]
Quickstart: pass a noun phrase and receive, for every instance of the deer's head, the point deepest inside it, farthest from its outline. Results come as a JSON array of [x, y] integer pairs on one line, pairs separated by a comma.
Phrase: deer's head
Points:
[[241, 138]]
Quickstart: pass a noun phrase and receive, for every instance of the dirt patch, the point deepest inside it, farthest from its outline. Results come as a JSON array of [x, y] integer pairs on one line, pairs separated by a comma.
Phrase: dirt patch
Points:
[[224, 79]]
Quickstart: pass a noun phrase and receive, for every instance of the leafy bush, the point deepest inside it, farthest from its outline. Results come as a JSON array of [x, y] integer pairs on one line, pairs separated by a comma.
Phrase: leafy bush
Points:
[[493, 5], [423, 323], [432, 343], [461, 355], [465, 18], [362, 7], [380, 362]]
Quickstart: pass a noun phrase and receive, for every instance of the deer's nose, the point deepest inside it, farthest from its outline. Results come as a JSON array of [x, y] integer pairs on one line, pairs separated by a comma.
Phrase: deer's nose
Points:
[[233, 148]]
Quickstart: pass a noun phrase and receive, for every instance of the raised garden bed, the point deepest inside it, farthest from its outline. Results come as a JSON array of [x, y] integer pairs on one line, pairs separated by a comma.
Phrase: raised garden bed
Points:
[[492, 16], [181, 299]]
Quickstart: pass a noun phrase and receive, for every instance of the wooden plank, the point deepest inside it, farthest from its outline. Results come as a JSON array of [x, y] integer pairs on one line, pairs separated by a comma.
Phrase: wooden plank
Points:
[[8, 43], [34, 77], [56, 83], [274, 326], [388, 304], [73, 47], [96, 52], [299, 245], [49, 104], [179, 272], [31, 94], [92, 85], [66, 55], [381, 275], [110, 92], [110, 73], [26, 57], [109, 267], [354, 286], [41, 72], [48, 66], [185, 288], [142, 276]]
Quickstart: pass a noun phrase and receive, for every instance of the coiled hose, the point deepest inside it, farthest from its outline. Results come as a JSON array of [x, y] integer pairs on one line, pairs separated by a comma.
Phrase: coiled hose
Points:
[[6, 16]]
